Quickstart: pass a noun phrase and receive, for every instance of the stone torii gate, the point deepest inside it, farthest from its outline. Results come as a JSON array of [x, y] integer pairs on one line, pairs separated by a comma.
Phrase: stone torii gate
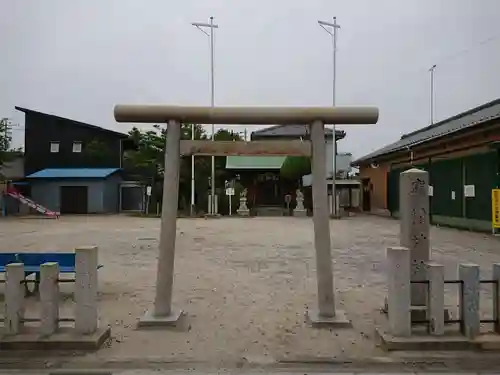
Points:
[[162, 313]]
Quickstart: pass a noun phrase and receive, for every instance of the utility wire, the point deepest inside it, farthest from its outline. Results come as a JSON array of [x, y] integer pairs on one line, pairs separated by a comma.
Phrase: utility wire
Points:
[[445, 59]]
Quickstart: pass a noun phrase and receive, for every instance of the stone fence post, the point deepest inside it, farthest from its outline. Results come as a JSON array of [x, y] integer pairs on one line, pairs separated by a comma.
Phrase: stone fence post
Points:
[[469, 300], [398, 298], [496, 296], [436, 312], [14, 298], [49, 298], [86, 290]]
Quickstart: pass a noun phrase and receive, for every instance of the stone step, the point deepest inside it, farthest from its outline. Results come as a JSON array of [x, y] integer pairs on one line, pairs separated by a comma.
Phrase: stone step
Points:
[[269, 211]]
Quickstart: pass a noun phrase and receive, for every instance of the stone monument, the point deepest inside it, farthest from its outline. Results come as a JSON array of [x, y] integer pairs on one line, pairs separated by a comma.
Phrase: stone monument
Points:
[[415, 227], [243, 209], [299, 210]]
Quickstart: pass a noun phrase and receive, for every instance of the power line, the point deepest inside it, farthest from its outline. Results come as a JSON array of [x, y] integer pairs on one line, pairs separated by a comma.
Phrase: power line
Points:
[[445, 59]]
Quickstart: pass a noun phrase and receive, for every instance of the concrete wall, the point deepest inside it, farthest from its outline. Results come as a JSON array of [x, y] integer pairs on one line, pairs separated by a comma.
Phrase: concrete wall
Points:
[[13, 169], [112, 194], [102, 194], [343, 163]]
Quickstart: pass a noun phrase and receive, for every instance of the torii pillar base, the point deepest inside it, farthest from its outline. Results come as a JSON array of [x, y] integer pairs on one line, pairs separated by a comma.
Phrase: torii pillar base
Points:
[[338, 321], [149, 320]]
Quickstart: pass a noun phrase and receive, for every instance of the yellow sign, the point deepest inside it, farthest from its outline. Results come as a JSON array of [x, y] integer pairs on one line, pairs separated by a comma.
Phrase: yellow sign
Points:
[[495, 208]]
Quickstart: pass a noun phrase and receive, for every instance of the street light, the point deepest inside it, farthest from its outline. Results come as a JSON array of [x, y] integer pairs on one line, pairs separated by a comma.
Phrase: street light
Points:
[[202, 26], [331, 28]]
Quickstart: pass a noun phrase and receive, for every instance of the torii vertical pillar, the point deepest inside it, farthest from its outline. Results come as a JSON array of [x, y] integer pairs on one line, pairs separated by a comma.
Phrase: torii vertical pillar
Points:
[[326, 314], [162, 313]]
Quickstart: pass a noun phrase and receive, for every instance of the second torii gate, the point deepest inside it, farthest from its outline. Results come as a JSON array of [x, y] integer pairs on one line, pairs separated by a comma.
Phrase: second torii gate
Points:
[[316, 117]]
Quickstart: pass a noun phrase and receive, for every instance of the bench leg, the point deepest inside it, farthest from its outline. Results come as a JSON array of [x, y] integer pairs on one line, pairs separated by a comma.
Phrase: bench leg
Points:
[[27, 292], [36, 289]]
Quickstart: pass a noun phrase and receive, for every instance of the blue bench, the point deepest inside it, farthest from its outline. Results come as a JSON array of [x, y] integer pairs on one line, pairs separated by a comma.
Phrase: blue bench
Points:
[[33, 261]]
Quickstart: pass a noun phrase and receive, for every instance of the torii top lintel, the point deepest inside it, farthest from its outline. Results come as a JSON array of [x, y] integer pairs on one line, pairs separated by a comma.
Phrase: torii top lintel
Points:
[[246, 115]]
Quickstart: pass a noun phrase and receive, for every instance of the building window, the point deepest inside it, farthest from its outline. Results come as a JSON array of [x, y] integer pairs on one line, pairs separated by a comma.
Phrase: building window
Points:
[[77, 146], [54, 147]]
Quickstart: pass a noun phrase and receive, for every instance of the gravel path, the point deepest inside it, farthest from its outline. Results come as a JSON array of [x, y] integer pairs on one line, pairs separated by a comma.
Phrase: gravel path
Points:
[[244, 283]]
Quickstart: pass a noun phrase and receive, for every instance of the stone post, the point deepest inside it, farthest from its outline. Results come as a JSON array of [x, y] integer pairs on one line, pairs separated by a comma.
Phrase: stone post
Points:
[[162, 313], [496, 296], [415, 227], [326, 313], [86, 290], [469, 299], [14, 298], [435, 275], [398, 298], [49, 298]]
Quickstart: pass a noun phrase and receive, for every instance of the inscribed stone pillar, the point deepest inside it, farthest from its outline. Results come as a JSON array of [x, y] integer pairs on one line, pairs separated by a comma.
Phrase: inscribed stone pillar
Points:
[[415, 227], [162, 313]]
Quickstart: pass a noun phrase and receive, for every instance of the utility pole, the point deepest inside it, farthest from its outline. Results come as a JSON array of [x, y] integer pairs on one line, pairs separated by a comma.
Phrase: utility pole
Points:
[[331, 28], [431, 70], [202, 26]]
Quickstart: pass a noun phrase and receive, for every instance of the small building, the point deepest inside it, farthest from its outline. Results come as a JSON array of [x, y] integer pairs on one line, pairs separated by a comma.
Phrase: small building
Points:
[[74, 168], [77, 190], [461, 155], [52, 141], [260, 175]]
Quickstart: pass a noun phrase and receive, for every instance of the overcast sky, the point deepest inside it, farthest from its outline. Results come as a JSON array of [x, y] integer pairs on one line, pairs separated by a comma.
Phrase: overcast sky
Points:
[[79, 58]]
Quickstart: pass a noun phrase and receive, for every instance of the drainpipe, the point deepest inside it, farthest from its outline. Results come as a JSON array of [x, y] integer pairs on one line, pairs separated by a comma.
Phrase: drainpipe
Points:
[[411, 155]]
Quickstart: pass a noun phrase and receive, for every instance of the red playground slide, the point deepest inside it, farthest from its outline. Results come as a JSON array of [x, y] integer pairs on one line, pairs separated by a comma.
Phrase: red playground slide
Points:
[[21, 198]]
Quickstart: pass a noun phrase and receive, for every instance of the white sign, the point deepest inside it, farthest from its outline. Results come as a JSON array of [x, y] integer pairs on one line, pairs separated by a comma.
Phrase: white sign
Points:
[[230, 191], [469, 191], [148, 191], [431, 190], [453, 195]]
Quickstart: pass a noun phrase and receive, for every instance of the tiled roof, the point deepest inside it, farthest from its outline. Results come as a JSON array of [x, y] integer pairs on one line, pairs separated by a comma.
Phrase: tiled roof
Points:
[[468, 119], [292, 131], [74, 173], [67, 120]]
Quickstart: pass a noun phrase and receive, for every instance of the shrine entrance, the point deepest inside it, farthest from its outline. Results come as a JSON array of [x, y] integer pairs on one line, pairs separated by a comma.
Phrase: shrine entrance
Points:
[[267, 189], [316, 117]]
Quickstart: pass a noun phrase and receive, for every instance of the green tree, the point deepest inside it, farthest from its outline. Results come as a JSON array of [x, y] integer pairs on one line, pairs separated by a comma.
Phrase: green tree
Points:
[[294, 167], [6, 153], [221, 175], [5, 140], [147, 162]]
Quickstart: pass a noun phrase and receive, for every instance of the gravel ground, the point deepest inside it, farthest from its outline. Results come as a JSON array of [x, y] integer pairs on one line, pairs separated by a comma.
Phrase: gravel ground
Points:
[[244, 283]]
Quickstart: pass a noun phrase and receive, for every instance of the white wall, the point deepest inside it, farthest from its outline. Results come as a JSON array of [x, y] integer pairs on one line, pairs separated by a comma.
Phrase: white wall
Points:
[[343, 160], [343, 163]]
